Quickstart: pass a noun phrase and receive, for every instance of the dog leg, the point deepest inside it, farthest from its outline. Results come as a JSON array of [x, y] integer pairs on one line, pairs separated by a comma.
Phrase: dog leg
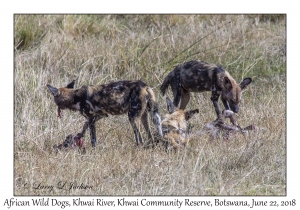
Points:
[[134, 113], [185, 98], [91, 124], [93, 134], [214, 98], [87, 125], [145, 122], [177, 95], [136, 131]]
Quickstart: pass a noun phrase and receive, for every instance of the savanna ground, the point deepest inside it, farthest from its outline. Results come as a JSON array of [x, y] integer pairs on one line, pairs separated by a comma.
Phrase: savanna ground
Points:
[[97, 49]]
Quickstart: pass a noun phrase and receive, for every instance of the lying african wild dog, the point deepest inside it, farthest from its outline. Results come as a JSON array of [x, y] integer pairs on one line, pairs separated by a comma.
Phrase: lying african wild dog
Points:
[[95, 102], [199, 76], [174, 126]]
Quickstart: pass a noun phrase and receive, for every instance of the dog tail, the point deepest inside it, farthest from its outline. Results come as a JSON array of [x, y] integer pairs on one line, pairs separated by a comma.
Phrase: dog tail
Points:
[[152, 106], [165, 84]]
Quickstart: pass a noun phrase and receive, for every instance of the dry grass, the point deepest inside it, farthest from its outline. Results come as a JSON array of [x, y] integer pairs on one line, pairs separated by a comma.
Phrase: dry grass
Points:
[[97, 49]]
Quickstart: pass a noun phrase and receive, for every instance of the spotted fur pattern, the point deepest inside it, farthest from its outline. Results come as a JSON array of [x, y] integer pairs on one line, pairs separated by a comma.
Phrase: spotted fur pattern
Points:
[[199, 76], [94, 102]]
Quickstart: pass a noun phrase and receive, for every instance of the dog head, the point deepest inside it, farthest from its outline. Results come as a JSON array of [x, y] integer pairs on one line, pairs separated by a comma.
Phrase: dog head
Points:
[[174, 124], [232, 92], [63, 96]]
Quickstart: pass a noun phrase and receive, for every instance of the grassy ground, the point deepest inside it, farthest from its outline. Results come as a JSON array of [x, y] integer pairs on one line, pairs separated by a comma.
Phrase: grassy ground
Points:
[[56, 49]]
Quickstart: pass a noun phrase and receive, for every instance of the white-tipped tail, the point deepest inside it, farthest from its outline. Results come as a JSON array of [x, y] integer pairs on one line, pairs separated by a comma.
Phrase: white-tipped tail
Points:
[[157, 122]]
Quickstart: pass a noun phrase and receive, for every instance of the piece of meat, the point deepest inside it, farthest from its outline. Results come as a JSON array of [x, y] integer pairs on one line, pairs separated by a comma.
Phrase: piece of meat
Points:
[[78, 141], [228, 129]]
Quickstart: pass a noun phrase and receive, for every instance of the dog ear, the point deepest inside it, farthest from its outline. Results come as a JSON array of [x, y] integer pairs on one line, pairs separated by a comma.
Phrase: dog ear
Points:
[[227, 83], [245, 83], [189, 114], [71, 84], [53, 90], [171, 107]]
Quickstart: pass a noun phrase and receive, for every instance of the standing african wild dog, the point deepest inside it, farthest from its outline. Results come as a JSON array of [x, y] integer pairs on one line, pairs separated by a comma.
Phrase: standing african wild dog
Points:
[[95, 102], [174, 126], [199, 76]]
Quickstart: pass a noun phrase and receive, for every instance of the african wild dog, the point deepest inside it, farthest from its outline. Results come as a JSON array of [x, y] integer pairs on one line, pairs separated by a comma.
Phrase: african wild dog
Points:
[[174, 126], [199, 76], [95, 102]]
